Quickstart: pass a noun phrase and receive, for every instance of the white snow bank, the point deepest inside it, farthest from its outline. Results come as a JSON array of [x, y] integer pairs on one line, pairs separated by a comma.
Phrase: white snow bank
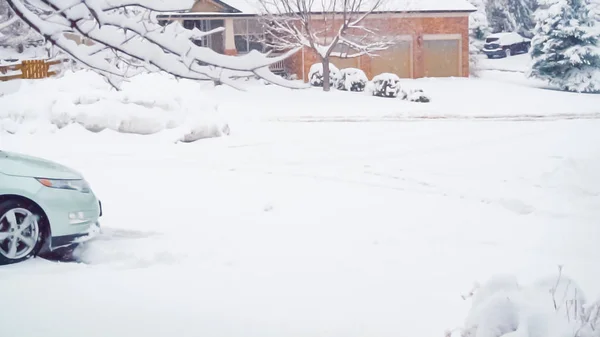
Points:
[[553, 306], [148, 104]]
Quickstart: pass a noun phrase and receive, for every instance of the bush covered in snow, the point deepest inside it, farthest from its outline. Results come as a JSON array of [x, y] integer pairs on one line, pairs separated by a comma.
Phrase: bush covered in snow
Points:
[[352, 79], [417, 95], [386, 85], [315, 74], [551, 307]]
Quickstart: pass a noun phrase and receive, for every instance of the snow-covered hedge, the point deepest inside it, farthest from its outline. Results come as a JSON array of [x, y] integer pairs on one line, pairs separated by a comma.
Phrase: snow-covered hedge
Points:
[[315, 75], [417, 95], [551, 307], [386, 85], [352, 79], [84, 98]]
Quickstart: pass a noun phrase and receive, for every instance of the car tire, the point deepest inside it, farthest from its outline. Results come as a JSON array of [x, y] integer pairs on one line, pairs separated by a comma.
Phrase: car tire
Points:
[[21, 231], [490, 56]]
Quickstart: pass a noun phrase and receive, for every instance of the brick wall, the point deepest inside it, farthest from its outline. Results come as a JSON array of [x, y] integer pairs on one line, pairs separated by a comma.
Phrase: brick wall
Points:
[[400, 24]]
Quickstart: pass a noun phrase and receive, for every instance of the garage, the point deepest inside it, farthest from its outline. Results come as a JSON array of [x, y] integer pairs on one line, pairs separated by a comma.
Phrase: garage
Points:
[[342, 63], [396, 60], [441, 56]]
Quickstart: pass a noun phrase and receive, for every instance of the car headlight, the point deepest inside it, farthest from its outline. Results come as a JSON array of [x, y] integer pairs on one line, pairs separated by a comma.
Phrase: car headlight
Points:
[[66, 184]]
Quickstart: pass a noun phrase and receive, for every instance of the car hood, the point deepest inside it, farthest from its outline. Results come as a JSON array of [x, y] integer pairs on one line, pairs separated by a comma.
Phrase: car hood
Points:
[[15, 164]]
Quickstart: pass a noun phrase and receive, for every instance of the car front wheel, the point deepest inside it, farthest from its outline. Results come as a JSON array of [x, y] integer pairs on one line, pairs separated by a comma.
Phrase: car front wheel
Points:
[[20, 232]]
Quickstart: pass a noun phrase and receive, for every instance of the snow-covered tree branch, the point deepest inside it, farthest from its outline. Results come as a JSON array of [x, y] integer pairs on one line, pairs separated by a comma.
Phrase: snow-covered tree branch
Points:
[[323, 26], [8, 22], [107, 28]]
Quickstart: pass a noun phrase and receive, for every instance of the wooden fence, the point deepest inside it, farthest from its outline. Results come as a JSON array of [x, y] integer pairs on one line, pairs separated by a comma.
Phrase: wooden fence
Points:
[[29, 69]]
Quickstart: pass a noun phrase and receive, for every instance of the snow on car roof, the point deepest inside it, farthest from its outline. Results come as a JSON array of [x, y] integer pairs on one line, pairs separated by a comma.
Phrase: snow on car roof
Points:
[[501, 34], [253, 6]]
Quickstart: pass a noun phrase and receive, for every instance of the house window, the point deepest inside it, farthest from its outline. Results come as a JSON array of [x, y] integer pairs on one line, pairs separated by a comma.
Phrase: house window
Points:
[[213, 41], [248, 35]]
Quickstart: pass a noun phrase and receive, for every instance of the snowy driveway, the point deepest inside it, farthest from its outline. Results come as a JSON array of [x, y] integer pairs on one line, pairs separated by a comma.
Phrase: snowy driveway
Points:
[[311, 229]]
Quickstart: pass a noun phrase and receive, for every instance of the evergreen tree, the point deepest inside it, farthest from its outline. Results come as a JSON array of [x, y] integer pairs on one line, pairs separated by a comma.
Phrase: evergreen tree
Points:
[[478, 22], [511, 15], [566, 46]]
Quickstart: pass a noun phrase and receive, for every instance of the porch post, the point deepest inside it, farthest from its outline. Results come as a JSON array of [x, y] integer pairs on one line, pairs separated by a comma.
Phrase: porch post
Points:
[[229, 38]]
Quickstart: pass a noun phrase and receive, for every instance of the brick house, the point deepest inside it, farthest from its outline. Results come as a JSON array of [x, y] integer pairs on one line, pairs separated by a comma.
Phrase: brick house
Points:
[[431, 36]]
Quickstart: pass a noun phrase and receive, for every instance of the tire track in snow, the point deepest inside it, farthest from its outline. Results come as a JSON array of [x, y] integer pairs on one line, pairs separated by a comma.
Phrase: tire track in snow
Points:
[[416, 118]]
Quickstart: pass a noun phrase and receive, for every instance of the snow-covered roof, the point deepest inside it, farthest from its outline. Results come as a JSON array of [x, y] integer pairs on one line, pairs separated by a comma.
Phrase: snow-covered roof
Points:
[[253, 7]]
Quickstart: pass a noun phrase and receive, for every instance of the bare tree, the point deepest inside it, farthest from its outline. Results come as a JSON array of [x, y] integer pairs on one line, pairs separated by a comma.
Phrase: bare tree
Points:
[[324, 26], [156, 48]]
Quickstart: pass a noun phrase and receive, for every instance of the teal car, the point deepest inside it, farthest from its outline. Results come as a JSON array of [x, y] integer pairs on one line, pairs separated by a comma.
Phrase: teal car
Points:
[[44, 206]]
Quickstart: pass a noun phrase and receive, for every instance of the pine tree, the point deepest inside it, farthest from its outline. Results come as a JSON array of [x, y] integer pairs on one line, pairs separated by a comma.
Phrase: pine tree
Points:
[[511, 15], [478, 22], [566, 46]]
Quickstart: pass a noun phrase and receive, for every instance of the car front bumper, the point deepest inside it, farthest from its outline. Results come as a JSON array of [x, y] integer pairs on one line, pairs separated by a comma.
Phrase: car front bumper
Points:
[[72, 215], [57, 242], [494, 52]]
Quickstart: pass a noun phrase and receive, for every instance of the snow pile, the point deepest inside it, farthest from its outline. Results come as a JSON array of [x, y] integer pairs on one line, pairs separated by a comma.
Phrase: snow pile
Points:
[[385, 85], [352, 79], [148, 104], [550, 307], [315, 74]]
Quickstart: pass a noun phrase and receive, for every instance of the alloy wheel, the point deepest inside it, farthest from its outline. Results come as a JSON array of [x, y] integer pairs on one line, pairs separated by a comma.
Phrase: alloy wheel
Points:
[[19, 233]]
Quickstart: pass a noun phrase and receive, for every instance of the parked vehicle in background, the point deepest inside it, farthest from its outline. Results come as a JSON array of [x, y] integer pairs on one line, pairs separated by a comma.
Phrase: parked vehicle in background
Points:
[[505, 45], [44, 207]]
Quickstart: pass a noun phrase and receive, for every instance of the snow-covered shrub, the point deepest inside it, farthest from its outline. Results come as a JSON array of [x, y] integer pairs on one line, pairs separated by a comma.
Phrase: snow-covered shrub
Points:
[[315, 75], [551, 307], [565, 49], [352, 79], [417, 95], [386, 85]]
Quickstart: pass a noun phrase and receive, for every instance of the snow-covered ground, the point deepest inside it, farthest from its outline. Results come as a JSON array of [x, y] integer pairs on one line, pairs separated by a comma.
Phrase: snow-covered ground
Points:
[[321, 214], [311, 229], [515, 63], [151, 103]]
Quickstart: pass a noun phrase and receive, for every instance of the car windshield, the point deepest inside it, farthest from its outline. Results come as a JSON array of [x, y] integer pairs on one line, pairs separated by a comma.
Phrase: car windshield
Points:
[[491, 39]]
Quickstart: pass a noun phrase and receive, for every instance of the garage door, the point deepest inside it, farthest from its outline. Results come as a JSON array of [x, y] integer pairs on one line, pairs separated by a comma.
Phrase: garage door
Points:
[[395, 60], [343, 63], [441, 58]]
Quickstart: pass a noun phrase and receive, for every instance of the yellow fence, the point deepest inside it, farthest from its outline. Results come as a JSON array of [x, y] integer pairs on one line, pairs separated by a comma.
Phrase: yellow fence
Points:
[[30, 69]]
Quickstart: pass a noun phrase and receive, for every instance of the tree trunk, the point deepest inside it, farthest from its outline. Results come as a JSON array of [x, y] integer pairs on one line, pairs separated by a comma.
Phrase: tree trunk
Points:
[[326, 79]]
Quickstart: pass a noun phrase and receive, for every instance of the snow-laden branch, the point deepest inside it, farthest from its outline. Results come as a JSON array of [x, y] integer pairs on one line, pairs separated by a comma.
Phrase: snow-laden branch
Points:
[[8, 22], [170, 49]]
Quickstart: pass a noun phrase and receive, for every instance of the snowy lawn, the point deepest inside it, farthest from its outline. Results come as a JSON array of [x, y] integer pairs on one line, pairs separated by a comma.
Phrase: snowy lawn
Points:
[[152, 103], [311, 229]]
